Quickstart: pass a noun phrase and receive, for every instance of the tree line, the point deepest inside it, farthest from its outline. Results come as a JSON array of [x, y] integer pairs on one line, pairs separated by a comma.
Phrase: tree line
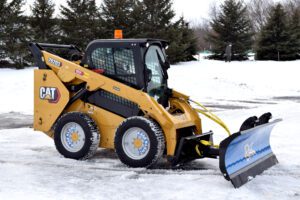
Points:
[[270, 30], [81, 21]]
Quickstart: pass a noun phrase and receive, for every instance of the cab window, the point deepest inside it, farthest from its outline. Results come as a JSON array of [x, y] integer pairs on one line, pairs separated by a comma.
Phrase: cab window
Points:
[[115, 62], [153, 60]]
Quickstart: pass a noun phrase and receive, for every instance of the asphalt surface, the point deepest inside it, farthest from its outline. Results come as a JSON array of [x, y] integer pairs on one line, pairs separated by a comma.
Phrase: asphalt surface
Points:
[[15, 120]]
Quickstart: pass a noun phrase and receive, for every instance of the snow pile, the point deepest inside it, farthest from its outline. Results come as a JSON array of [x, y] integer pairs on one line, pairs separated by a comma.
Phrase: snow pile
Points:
[[248, 80], [16, 88]]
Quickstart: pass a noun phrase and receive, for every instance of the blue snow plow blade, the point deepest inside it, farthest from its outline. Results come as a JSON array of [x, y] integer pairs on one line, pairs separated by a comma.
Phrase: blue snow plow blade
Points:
[[247, 153]]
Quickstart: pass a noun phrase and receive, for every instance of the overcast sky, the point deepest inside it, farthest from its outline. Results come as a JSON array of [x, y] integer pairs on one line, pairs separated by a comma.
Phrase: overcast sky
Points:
[[192, 10]]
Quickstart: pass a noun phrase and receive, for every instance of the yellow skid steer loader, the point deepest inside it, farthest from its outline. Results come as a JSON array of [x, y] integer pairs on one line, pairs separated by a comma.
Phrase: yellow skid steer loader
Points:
[[115, 95]]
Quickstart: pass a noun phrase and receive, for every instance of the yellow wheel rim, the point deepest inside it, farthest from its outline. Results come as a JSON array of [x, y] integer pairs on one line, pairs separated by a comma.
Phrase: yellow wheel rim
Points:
[[74, 137], [137, 143]]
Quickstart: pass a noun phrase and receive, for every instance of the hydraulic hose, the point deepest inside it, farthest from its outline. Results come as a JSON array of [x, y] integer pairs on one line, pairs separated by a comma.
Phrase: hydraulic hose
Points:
[[207, 113]]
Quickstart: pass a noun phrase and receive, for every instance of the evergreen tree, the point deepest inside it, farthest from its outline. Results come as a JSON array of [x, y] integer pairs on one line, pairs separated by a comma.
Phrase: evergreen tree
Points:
[[295, 30], [150, 19], [147, 18], [231, 25], [189, 41], [275, 41], [183, 43], [3, 15], [13, 32], [137, 19], [80, 22], [158, 16], [157, 23], [117, 14], [42, 21]]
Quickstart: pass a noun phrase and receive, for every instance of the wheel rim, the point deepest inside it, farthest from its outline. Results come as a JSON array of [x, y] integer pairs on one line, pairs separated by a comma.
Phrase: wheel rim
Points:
[[72, 137], [136, 143]]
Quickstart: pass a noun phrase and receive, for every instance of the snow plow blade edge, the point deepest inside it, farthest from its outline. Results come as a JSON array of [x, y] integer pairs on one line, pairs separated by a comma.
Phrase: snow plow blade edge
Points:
[[246, 154]]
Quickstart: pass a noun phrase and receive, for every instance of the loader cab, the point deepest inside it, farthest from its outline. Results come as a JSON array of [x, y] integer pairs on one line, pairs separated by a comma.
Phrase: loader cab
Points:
[[139, 63]]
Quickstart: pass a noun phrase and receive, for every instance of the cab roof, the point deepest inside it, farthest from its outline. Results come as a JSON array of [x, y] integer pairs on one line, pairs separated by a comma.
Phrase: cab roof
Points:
[[129, 41]]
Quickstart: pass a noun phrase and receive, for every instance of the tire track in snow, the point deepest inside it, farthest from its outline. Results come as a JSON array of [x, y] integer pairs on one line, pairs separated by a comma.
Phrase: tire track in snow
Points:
[[139, 171], [275, 171]]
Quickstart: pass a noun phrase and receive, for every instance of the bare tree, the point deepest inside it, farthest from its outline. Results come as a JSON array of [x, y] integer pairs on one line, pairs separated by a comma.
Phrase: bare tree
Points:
[[214, 10], [201, 29], [291, 6], [259, 12]]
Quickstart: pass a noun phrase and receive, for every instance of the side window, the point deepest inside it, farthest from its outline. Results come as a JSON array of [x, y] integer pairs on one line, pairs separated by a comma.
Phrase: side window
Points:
[[116, 62], [152, 63]]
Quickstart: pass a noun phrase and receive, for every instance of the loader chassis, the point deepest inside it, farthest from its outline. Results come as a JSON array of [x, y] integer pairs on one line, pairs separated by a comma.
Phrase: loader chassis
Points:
[[68, 73]]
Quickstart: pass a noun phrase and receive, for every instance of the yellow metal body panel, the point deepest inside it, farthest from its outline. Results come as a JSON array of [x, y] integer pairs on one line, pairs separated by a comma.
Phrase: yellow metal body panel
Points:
[[107, 122], [70, 72], [50, 99]]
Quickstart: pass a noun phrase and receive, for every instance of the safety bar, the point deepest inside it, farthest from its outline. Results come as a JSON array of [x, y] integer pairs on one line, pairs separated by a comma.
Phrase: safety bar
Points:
[[57, 46], [36, 50]]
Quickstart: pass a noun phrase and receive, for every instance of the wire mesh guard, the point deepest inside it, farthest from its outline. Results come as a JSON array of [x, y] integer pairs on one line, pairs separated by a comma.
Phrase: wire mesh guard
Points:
[[118, 62]]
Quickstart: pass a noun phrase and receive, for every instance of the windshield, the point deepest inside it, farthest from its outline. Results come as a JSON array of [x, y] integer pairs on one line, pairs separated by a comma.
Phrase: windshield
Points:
[[155, 60]]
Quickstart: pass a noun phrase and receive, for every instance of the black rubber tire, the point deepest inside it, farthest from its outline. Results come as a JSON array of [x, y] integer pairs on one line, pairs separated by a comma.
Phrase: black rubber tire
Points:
[[156, 137], [92, 136]]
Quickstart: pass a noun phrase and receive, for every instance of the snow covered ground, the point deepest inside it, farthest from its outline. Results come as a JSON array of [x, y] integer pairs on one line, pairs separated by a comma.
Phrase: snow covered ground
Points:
[[31, 168]]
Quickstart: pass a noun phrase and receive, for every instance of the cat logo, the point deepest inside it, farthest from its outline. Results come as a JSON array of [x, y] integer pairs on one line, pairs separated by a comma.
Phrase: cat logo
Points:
[[54, 62], [49, 93]]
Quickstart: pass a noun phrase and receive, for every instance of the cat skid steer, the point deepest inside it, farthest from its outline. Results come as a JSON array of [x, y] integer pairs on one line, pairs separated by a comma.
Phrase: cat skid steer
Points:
[[115, 95]]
